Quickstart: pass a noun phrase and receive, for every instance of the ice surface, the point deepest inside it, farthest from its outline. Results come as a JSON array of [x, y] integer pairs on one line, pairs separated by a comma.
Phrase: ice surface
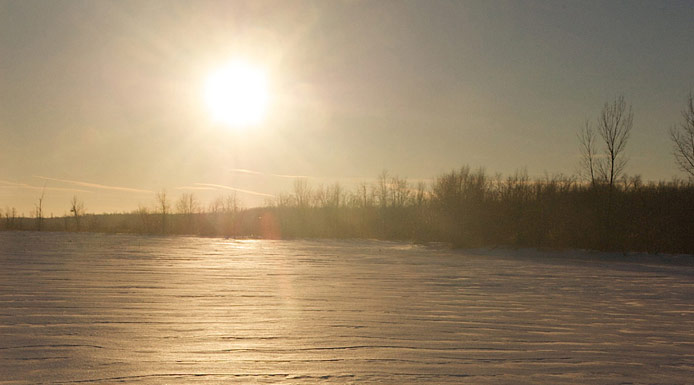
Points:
[[103, 309]]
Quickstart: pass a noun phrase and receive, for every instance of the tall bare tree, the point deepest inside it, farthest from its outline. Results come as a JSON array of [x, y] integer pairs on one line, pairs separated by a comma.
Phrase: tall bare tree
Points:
[[334, 195], [188, 205], [231, 203], [319, 196], [399, 191], [38, 210], [143, 213], [682, 136], [420, 194], [302, 193], [586, 139], [77, 210], [614, 127], [163, 208], [382, 188], [363, 197], [225, 204], [10, 218]]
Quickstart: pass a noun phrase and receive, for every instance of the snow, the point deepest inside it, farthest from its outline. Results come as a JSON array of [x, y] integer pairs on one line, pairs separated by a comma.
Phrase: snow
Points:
[[101, 309]]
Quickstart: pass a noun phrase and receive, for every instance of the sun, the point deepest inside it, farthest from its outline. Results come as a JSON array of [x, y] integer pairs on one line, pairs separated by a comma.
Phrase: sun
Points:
[[237, 95]]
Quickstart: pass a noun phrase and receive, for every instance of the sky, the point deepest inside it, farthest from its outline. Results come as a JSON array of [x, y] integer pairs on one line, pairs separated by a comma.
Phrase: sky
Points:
[[103, 100]]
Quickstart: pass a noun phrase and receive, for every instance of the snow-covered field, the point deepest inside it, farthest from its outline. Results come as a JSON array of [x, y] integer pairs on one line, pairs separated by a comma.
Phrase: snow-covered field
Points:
[[103, 309]]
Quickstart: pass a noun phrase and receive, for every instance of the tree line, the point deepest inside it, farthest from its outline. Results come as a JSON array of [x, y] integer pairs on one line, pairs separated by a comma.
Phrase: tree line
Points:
[[601, 208]]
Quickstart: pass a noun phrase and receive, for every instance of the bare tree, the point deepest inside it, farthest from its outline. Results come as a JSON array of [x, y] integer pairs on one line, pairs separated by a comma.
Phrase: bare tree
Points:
[[143, 213], [38, 210], [362, 197], [77, 209], [302, 193], [682, 136], [319, 196], [334, 195], [163, 208], [420, 194], [382, 188], [188, 205], [216, 206], [282, 200], [10, 218], [232, 203], [225, 204], [399, 191], [614, 127], [586, 139]]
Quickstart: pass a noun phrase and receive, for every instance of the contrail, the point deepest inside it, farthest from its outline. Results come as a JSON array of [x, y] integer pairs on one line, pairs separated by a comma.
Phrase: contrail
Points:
[[290, 176], [194, 188], [246, 171], [8, 184], [252, 172], [342, 178], [95, 185], [234, 189]]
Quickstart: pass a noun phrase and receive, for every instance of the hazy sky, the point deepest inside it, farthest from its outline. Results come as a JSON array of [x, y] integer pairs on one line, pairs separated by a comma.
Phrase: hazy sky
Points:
[[103, 99]]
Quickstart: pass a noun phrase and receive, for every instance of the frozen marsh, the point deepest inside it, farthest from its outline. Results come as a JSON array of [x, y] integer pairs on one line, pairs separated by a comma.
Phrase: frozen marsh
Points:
[[103, 309]]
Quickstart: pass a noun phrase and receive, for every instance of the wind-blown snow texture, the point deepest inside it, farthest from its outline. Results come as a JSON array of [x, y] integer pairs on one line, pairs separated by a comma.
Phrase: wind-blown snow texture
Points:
[[102, 309]]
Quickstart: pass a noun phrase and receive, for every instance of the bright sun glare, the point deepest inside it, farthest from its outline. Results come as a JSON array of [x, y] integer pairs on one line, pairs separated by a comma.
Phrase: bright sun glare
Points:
[[237, 95]]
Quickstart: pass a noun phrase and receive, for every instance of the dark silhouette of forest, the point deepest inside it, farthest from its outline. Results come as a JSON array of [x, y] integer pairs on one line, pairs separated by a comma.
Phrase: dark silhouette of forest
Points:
[[465, 208]]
